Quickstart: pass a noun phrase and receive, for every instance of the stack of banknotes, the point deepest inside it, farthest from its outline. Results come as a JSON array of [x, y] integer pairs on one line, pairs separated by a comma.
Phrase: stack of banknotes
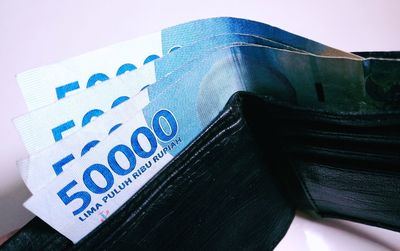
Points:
[[102, 124]]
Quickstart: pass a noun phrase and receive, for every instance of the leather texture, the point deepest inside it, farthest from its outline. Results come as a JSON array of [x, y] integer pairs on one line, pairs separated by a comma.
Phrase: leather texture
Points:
[[219, 194], [237, 185], [347, 165]]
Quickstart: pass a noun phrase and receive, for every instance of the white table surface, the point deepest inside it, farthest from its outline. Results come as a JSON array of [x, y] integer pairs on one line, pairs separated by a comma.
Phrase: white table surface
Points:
[[34, 33]]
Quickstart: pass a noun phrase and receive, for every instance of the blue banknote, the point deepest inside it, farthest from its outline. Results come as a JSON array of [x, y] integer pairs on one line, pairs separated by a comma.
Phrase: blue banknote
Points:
[[42, 127]]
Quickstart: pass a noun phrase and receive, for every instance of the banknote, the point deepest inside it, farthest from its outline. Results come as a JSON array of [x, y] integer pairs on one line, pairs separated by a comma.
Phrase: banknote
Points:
[[35, 170], [113, 171], [45, 85], [61, 154], [44, 126]]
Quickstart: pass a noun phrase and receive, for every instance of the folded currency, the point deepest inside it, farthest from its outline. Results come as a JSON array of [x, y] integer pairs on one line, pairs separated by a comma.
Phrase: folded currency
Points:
[[177, 112], [44, 126], [33, 126], [47, 84]]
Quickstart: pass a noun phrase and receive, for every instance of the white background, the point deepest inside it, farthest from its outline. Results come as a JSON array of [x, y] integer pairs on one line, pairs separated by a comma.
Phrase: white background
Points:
[[34, 33]]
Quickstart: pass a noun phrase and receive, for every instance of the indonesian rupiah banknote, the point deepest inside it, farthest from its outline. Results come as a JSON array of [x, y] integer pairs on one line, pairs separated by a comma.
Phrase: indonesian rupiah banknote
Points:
[[90, 101]]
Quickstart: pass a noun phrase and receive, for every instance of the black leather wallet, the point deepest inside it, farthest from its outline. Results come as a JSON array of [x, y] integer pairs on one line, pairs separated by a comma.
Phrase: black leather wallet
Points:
[[237, 185]]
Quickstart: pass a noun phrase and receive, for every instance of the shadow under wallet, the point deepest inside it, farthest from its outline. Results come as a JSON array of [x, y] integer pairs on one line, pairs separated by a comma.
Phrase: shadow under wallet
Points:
[[236, 187]]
